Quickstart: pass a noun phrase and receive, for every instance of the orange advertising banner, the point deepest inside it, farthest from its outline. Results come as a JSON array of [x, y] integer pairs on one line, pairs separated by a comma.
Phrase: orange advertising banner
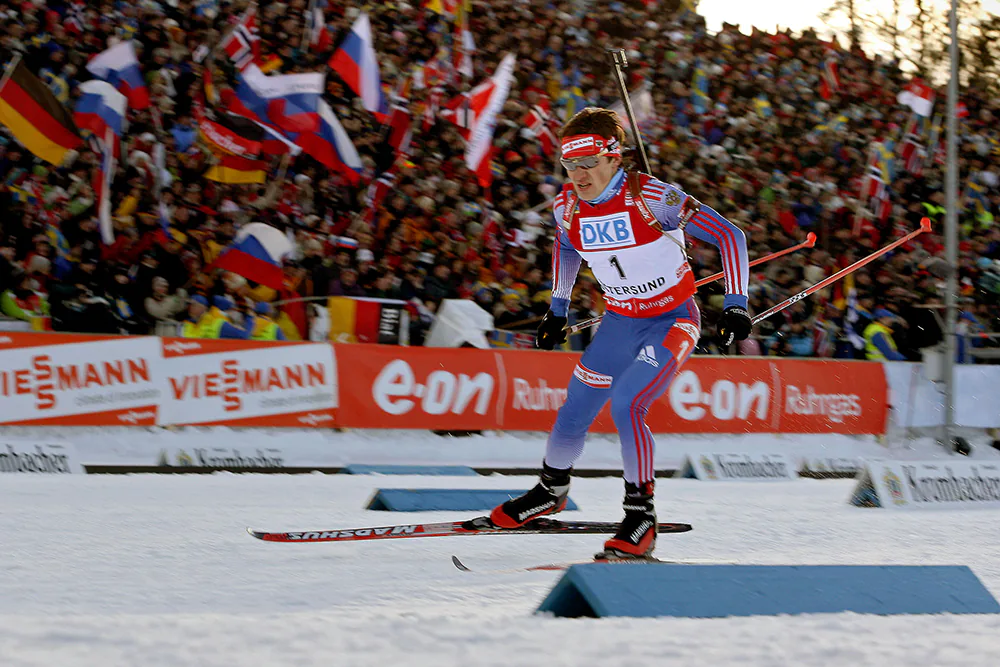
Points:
[[77, 380], [519, 390]]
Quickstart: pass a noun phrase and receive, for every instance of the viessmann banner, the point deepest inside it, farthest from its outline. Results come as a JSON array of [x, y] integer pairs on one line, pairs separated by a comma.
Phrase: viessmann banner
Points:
[[73, 380]]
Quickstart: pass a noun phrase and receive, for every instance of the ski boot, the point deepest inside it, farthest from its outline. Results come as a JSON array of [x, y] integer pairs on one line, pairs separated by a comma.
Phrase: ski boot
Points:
[[636, 536], [546, 497]]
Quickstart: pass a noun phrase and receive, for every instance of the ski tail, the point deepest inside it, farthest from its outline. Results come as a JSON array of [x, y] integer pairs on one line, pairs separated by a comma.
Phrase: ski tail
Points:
[[478, 526], [565, 565]]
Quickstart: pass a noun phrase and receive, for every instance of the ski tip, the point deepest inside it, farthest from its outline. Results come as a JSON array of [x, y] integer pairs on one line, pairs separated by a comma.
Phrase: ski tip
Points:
[[255, 533], [459, 564], [674, 528]]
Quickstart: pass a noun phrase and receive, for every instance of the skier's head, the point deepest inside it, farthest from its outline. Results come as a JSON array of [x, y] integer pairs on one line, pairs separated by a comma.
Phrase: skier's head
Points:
[[592, 143]]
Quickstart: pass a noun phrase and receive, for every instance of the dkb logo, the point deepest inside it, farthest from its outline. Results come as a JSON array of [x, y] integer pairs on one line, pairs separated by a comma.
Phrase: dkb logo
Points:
[[606, 232]]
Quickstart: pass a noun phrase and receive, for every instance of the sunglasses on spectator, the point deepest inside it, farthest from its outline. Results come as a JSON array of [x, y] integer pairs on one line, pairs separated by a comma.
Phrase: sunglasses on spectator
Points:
[[588, 162]]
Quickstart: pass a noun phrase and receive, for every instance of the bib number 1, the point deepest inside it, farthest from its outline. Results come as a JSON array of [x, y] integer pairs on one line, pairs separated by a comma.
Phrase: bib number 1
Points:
[[615, 263]]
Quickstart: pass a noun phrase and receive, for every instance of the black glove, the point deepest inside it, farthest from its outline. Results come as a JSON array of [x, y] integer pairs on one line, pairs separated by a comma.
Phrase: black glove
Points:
[[550, 331], [734, 325]]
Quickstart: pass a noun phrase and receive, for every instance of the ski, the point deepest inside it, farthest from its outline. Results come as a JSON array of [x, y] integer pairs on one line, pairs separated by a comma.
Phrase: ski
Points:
[[478, 526], [565, 565]]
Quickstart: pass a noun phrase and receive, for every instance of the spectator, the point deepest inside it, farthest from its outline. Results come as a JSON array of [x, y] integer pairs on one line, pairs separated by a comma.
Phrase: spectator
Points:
[[514, 315], [23, 301], [347, 284], [384, 287], [266, 328], [879, 343], [766, 152], [438, 285], [161, 305]]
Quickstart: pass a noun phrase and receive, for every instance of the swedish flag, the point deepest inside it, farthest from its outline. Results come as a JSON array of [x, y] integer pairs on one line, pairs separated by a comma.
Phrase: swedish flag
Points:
[[699, 89], [885, 159], [763, 106]]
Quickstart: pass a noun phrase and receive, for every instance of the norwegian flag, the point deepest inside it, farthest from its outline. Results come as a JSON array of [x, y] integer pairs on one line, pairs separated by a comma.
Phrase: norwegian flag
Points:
[[75, 18], [829, 81], [432, 107], [465, 109], [459, 111], [243, 44], [320, 39], [873, 184], [541, 125], [376, 195], [462, 45], [911, 150], [961, 111], [918, 96], [399, 130], [431, 73]]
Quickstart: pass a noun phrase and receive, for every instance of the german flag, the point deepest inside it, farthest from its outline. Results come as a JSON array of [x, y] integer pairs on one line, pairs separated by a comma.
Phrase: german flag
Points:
[[233, 169], [37, 119]]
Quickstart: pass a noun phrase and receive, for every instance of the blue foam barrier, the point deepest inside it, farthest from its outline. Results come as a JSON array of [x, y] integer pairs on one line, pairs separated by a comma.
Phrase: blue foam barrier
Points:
[[433, 500], [717, 591], [453, 471]]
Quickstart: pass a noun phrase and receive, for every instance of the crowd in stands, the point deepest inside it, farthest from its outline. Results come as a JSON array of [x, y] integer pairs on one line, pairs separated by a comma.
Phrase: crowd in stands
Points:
[[738, 122]]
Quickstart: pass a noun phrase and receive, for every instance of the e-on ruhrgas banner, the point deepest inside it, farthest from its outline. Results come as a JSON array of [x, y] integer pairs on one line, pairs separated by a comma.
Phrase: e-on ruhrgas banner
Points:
[[248, 383], [63, 379], [521, 390]]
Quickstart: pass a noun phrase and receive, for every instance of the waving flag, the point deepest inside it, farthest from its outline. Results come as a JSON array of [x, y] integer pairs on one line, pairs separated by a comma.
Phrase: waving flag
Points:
[[100, 108], [543, 127], [918, 96], [319, 37], [466, 109], [235, 169], [376, 194], [699, 89], [102, 187], [479, 149], [256, 254], [242, 45], [36, 118], [432, 107], [462, 45], [119, 67], [356, 64], [330, 145], [829, 80], [240, 136], [287, 102]]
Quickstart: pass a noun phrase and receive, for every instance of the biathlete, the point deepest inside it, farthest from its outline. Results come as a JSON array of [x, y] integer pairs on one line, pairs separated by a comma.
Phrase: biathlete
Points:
[[629, 227]]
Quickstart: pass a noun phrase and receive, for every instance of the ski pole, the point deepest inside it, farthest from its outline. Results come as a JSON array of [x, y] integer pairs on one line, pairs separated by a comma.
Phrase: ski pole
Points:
[[808, 243], [925, 226]]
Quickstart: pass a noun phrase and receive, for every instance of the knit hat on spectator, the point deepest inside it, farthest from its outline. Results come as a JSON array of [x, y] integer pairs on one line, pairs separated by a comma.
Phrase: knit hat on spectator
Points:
[[222, 302], [199, 299], [882, 312]]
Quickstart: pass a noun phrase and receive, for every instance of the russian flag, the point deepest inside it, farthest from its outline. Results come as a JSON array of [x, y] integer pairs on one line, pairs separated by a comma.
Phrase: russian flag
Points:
[[288, 102], [330, 145], [256, 254], [357, 65], [119, 67], [100, 108]]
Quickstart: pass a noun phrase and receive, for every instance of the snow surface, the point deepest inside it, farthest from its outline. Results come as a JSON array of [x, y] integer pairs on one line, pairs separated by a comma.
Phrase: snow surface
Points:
[[158, 571], [504, 450]]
